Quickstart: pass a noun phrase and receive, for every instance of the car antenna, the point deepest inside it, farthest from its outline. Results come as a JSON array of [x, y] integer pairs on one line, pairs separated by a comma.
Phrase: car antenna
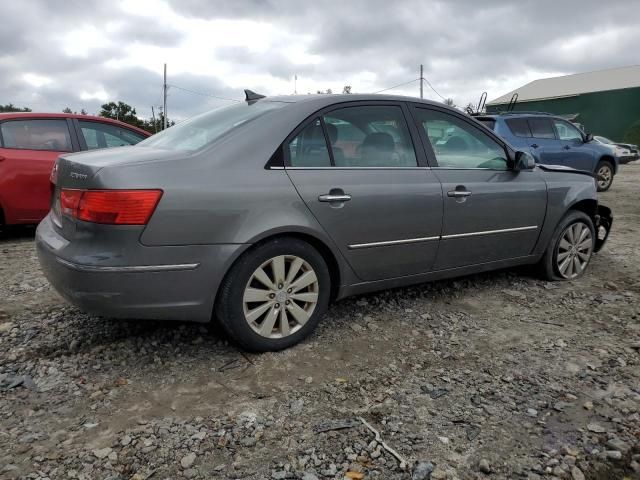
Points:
[[251, 96]]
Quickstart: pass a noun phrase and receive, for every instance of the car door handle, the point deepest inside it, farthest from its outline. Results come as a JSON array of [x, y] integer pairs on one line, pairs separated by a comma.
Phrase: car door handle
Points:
[[567, 147], [1, 158], [328, 197], [458, 193], [535, 145]]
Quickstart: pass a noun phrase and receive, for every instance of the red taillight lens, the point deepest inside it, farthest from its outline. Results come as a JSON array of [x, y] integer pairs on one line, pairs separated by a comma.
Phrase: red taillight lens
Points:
[[69, 201], [114, 207]]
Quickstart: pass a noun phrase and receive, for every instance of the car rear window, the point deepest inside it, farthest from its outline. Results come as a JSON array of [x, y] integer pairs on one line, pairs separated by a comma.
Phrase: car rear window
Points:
[[50, 134], [200, 131], [541, 128], [519, 127], [490, 123]]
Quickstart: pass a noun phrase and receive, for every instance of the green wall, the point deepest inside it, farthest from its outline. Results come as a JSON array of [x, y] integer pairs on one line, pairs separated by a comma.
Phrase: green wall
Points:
[[609, 113]]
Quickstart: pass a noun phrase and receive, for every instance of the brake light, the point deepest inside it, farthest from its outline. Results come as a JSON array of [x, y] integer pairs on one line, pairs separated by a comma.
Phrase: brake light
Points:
[[113, 207]]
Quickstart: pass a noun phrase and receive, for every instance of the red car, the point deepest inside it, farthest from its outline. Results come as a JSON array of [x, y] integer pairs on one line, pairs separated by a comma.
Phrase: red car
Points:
[[30, 143]]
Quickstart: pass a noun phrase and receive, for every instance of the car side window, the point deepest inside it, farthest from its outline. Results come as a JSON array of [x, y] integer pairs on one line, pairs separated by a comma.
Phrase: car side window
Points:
[[102, 135], [519, 127], [49, 134], [566, 131], [457, 144], [541, 128], [309, 147], [370, 136]]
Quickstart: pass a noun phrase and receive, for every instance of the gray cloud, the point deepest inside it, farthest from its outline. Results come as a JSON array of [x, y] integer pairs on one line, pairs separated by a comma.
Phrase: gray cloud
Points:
[[465, 46]]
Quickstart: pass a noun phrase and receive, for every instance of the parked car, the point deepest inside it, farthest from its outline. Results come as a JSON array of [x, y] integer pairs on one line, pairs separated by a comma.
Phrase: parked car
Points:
[[259, 214], [625, 152], [555, 141], [29, 145]]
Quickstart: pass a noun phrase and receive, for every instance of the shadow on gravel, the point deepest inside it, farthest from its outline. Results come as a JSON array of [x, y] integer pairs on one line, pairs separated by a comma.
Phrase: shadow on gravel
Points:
[[11, 234]]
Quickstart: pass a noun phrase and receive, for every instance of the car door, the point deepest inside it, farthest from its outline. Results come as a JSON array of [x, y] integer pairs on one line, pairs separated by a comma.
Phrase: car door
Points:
[[29, 150], [545, 147], [574, 153], [94, 135], [491, 212], [371, 190]]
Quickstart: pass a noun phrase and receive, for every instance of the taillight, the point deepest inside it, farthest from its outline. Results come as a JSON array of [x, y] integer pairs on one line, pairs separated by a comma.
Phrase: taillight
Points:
[[113, 207]]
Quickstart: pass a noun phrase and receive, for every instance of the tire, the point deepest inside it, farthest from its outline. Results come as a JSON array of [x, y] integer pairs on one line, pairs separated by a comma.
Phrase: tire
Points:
[[553, 264], [604, 175], [246, 304]]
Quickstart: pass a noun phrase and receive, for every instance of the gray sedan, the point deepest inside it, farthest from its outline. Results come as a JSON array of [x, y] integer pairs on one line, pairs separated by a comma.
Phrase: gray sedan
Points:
[[258, 215]]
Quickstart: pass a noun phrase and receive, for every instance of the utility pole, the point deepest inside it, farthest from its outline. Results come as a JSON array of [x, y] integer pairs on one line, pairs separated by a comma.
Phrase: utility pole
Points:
[[164, 102], [421, 78], [153, 115], [295, 84]]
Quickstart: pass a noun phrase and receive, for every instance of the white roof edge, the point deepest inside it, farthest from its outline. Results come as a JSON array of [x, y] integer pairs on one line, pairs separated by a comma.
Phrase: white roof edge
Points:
[[619, 78]]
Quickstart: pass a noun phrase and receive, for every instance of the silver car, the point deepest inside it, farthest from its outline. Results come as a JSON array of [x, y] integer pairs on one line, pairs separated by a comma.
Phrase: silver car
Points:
[[262, 213]]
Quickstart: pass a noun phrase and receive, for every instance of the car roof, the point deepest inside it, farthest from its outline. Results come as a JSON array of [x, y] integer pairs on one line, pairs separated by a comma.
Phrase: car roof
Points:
[[323, 100], [45, 115]]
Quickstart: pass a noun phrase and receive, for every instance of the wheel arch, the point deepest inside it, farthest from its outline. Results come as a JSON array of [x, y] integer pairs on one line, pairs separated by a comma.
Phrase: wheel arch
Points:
[[586, 205], [330, 256], [608, 159]]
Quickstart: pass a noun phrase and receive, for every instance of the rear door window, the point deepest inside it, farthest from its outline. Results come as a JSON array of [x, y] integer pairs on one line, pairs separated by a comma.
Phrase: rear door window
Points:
[[519, 127], [370, 136], [541, 128], [103, 135], [36, 134]]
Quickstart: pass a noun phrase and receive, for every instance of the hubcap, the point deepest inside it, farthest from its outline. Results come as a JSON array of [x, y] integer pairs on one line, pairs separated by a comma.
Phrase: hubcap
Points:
[[280, 296], [574, 250], [604, 176]]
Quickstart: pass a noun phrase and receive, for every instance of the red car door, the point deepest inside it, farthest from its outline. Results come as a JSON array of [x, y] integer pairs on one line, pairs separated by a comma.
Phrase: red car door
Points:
[[28, 152]]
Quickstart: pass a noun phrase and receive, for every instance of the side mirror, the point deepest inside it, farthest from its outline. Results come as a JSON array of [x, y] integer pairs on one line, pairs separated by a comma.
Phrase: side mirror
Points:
[[588, 137], [524, 161]]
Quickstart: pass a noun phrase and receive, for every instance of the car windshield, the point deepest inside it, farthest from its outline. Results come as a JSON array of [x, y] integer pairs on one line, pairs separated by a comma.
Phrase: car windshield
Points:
[[204, 129]]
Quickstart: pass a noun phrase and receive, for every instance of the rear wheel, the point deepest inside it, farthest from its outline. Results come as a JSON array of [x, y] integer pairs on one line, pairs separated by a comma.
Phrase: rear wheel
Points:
[[604, 175], [570, 249], [274, 296]]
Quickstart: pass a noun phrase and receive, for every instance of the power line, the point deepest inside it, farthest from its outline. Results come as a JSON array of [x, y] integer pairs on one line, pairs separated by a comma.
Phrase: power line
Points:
[[204, 94], [396, 86], [431, 87]]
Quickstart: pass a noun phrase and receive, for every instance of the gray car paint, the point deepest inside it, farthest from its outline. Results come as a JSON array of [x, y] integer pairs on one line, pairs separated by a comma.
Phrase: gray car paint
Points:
[[222, 199]]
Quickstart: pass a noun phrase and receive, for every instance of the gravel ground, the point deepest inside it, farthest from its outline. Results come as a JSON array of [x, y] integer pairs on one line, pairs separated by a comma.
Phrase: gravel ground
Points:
[[499, 375]]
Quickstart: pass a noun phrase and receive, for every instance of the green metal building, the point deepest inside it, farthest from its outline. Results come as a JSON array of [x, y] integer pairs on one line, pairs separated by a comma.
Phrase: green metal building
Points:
[[606, 102]]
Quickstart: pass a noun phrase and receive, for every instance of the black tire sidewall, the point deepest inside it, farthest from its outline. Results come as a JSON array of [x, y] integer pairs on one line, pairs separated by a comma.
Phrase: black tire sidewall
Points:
[[550, 266], [598, 167], [229, 307]]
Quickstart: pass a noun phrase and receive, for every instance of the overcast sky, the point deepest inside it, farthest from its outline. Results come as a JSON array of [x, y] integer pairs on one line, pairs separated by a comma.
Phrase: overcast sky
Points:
[[81, 53]]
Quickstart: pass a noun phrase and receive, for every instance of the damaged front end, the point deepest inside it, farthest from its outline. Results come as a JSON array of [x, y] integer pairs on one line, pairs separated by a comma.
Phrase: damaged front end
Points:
[[602, 222]]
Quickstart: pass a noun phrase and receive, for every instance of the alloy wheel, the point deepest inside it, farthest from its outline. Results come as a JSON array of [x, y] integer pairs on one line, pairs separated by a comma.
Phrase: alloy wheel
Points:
[[574, 250], [604, 176], [280, 296]]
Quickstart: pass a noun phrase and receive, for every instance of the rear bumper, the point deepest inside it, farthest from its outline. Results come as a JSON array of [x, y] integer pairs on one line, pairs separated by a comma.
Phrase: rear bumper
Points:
[[603, 223], [163, 283]]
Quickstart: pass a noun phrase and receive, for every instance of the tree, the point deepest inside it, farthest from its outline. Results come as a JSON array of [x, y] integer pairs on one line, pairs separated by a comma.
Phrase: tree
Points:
[[10, 107], [449, 101], [152, 127], [346, 89], [121, 111], [68, 110], [83, 112]]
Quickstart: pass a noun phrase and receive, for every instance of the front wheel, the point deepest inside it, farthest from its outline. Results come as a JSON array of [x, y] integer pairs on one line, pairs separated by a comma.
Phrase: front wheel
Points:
[[570, 249], [604, 176], [274, 295]]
